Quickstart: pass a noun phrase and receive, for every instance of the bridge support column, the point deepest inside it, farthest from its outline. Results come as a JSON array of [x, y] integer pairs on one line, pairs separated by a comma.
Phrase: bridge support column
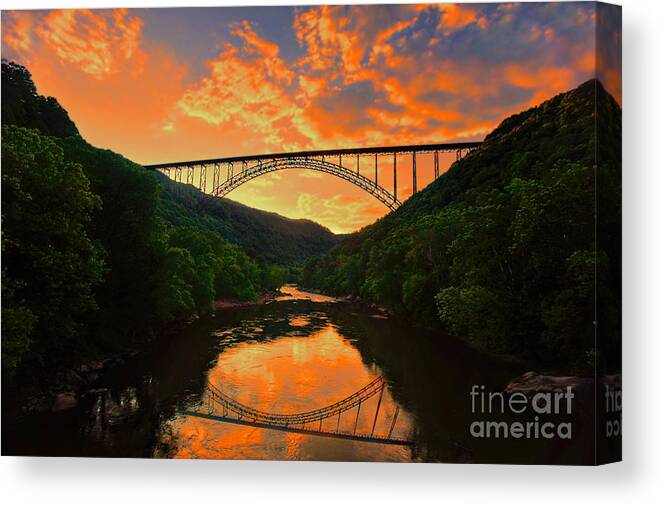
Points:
[[435, 165], [203, 178], [394, 175], [358, 164], [376, 169], [216, 177], [355, 425], [394, 420], [415, 176], [376, 415]]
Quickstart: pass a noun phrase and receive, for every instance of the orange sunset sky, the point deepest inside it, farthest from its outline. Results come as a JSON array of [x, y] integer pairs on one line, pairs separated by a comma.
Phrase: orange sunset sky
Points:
[[161, 85]]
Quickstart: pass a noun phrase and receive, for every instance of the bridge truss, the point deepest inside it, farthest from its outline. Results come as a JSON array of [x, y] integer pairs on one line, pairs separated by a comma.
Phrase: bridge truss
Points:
[[219, 406], [224, 175]]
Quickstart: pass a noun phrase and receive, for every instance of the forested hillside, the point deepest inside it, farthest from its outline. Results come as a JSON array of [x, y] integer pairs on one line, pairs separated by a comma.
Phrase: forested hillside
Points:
[[264, 235], [97, 255], [503, 250]]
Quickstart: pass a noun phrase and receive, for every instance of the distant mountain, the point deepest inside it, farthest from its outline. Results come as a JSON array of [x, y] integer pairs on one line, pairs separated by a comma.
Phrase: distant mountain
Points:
[[505, 248], [264, 235]]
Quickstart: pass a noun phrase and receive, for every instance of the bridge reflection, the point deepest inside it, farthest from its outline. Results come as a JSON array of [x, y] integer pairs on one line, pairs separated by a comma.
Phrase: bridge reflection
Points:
[[219, 406]]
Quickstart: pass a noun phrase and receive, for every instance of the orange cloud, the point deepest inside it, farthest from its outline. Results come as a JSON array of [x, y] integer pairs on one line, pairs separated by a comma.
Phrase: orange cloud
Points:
[[457, 16], [119, 89], [546, 81], [247, 86], [98, 44], [17, 28]]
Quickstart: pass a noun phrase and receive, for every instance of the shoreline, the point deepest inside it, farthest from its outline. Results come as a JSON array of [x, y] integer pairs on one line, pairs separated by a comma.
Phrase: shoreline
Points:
[[262, 299], [70, 383]]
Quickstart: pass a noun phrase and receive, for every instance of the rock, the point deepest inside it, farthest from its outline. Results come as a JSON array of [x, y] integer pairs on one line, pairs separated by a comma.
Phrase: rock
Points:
[[97, 391], [95, 365], [532, 382], [64, 401], [37, 404], [68, 379], [112, 362]]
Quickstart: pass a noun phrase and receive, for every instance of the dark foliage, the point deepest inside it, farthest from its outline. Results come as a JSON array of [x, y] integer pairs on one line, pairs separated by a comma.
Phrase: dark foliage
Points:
[[22, 105], [50, 264], [266, 236]]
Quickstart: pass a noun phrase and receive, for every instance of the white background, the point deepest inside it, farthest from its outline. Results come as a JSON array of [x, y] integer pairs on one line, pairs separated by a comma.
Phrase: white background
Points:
[[636, 480]]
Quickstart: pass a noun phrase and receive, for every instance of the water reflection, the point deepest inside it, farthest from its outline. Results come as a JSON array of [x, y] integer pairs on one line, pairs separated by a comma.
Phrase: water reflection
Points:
[[297, 354], [311, 366], [291, 292]]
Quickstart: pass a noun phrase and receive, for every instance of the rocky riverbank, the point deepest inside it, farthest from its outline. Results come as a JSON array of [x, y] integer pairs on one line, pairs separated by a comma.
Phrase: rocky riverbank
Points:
[[533, 382], [66, 385], [262, 299], [378, 311]]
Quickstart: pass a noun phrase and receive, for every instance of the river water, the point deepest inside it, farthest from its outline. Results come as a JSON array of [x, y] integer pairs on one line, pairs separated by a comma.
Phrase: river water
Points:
[[301, 352]]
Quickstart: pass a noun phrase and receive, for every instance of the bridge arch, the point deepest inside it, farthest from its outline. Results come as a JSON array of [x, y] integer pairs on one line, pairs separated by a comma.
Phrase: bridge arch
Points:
[[319, 165], [260, 164]]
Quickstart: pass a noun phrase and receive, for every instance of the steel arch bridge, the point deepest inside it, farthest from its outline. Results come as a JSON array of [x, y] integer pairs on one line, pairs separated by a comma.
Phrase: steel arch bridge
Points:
[[224, 175], [219, 406]]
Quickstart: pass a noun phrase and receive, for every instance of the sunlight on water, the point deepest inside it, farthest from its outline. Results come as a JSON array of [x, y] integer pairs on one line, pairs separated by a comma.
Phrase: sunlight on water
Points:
[[291, 292], [292, 374]]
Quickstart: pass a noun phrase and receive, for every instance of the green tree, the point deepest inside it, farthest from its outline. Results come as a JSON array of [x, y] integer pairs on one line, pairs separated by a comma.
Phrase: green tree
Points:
[[50, 264]]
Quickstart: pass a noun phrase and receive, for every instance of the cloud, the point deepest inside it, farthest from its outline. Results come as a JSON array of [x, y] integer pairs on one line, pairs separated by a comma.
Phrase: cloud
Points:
[[118, 87], [457, 16], [98, 43], [309, 174], [247, 86], [346, 213], [17, 27]]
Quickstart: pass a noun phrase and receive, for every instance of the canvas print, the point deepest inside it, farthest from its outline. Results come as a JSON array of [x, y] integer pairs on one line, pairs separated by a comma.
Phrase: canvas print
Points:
[[351, 233]]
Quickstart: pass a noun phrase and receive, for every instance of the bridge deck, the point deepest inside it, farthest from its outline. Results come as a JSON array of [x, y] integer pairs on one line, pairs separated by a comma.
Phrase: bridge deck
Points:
[[304, 431], [422, 148]]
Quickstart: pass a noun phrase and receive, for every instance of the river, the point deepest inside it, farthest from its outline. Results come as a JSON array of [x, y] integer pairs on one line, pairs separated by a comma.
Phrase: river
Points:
[[300, 352]]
